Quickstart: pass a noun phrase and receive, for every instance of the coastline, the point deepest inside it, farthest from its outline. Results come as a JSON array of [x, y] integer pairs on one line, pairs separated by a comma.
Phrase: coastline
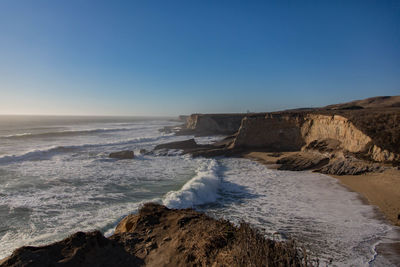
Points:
[[378, 189], [381, 189]]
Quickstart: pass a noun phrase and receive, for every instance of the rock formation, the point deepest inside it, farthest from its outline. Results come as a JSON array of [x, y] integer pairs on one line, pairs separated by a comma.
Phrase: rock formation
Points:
[[300, 131], [126, 154], [186, 144], [349, 136], [158, 236]]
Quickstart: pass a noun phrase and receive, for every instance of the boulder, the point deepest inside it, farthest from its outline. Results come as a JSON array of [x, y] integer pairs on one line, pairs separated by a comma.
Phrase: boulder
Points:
[[125, 154]]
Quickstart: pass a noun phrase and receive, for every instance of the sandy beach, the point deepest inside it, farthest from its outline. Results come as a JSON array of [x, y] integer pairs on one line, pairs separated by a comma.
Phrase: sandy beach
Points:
[[379, 189]]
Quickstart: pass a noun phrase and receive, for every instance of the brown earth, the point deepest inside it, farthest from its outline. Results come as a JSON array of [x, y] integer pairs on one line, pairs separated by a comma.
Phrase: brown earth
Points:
[[158, 236]]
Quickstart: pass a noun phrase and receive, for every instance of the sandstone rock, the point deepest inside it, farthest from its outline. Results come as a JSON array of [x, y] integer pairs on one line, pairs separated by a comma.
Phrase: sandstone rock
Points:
[[271, 132], [126, 154], [324, 145], [349, 166], [302, 161]]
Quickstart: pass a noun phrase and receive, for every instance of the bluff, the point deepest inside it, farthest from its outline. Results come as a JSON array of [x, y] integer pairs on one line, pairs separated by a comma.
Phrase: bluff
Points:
[[367, 129], [369, 133]]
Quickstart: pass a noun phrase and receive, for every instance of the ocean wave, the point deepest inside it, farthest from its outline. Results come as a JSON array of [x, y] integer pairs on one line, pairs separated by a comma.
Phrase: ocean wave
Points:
[[47, 153], [64, 133], [201, 189]]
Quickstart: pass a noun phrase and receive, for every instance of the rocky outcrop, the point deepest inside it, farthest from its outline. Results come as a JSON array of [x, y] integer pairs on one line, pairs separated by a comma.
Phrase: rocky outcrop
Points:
[[383, 155], [334, 127], [349, 166], [80, 249], [196, 150], [212, 124], [302, 161], [294, 131], [337, 164], [126, 154], [186, 144], [158, 236]]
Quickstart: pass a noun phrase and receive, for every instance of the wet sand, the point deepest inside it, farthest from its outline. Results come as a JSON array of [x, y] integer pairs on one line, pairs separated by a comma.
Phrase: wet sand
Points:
[[379, 189]]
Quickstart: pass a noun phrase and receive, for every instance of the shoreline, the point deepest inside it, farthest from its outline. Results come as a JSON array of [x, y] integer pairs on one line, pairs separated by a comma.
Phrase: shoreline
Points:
[[381, 190]]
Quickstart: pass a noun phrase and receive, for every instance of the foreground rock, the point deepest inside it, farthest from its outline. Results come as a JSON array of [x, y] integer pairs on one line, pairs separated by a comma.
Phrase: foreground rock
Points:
[[80, 249], [159, 236], [126, 154]]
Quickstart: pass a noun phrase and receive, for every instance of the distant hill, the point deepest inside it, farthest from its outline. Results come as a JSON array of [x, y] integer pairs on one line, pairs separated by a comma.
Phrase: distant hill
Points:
[[373, 102]]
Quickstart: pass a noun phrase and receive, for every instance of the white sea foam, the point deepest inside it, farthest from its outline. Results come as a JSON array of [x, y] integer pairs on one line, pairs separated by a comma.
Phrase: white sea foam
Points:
[[47, 153], [201, 189], [309, 207], [78, 189], [64, 133]]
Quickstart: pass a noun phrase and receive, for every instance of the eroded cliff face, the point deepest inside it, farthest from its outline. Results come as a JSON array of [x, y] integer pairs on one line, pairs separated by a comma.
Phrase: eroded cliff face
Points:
[[203, 124], [271, 132], [296, 131], [320, 127]]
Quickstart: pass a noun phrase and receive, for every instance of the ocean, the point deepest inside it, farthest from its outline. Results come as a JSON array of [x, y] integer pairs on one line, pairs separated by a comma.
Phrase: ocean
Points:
[[56, 178]]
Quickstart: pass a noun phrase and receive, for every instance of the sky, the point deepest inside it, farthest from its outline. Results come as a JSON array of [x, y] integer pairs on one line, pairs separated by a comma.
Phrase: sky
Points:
[[82, 57]]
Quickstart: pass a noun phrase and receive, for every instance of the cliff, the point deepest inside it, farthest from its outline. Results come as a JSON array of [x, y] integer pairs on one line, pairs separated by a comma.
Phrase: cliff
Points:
[[158, 236], [292, 131], [367, 133], [212, 124]]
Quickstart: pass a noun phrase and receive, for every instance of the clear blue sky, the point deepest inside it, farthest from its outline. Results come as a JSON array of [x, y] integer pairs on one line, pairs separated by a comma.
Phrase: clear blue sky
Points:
[[179, 57]]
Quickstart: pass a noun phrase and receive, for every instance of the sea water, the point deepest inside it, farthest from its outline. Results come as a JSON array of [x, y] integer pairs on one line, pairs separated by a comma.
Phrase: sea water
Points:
[[56, 178]]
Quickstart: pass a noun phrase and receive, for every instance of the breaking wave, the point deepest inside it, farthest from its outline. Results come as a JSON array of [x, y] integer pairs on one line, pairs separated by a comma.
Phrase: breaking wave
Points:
[[201, 189], [64, 133], [42, 154]]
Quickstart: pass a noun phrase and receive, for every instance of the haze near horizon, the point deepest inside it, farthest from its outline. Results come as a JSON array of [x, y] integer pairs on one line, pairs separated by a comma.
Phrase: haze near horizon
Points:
[[180, 57]]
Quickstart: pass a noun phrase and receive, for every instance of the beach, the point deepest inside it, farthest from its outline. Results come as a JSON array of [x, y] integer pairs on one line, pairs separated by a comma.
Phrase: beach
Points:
[[381, 189]]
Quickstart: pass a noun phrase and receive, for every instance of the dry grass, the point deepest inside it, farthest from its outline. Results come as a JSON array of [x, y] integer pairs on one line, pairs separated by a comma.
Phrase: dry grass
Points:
[[251, 248]]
